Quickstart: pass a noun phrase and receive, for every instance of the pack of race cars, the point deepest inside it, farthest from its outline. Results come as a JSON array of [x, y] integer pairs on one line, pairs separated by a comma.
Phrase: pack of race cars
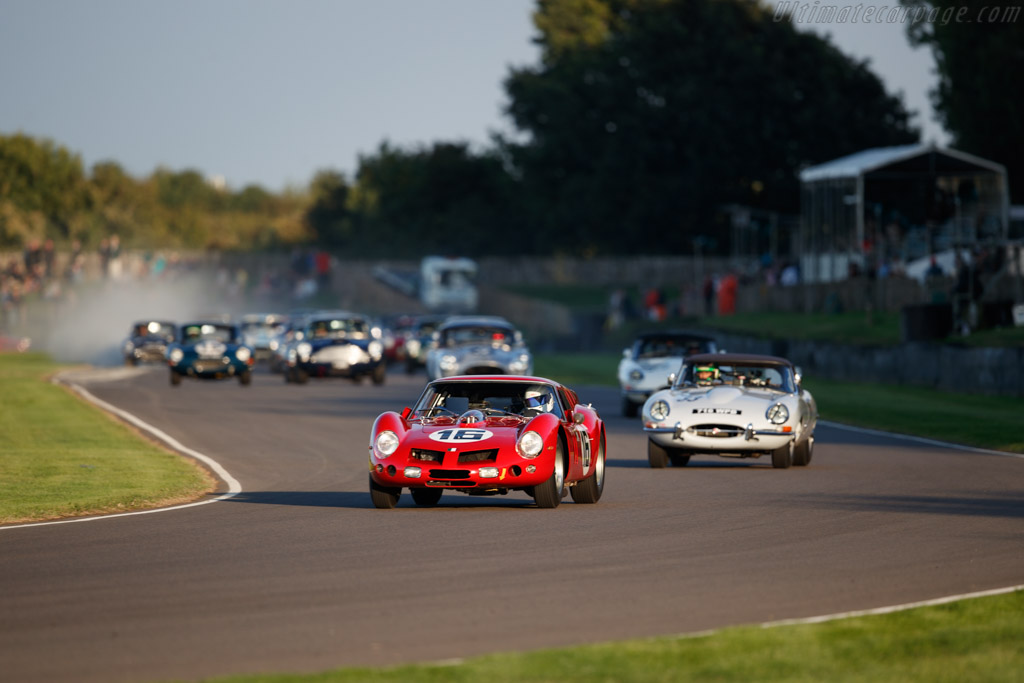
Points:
[[484, 424]]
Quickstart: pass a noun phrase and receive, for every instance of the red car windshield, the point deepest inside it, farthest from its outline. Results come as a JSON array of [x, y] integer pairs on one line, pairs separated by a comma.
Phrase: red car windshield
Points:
[[491, 398]]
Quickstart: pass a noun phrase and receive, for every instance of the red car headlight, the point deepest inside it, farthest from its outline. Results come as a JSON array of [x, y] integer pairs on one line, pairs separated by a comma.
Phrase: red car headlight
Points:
[[386, 443], [530, 445]]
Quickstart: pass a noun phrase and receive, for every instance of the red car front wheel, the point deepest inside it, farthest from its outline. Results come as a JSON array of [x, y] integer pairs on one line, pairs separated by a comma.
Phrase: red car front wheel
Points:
[[383, 497], [549, 494]]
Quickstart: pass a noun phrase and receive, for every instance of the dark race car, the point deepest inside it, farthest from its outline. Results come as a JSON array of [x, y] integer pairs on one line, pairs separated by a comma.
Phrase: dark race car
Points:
[[147, 341], [336, 344], [210, 350], [419, 340], [488, 435]]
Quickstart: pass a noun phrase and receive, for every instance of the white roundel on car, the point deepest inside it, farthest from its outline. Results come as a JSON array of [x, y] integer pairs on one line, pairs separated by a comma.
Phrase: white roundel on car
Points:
[[461, 435]]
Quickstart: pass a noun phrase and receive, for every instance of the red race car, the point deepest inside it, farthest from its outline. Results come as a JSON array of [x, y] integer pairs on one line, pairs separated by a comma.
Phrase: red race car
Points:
[[488, 435]]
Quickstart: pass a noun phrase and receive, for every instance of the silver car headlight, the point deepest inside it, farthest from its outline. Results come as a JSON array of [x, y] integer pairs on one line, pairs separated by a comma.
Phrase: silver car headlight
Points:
[[636, 375], [777, 413], [243, 354], [660, 410], [303, 350], [386, 443], [176, 355], [520, 364], [448, 362], [530, 445]]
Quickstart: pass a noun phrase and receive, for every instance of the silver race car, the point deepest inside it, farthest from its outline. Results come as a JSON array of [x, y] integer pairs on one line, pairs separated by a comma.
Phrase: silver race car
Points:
[[732, 405], [647, 364], [478, 345]]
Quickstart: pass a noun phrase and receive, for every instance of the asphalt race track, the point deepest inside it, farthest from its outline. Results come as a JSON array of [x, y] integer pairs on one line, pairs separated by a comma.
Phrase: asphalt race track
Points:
[[300, 573]]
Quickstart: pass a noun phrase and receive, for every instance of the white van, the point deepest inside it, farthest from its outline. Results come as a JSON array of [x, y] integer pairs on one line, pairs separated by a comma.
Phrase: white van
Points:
[[448, 285]]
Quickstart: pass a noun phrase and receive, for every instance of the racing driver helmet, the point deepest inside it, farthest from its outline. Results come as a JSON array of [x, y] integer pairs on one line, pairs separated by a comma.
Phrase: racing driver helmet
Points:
[[705, 375], [539, 400]]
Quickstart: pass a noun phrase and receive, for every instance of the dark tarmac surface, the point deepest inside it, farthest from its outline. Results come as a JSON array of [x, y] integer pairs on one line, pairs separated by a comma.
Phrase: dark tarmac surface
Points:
[[299, 573]]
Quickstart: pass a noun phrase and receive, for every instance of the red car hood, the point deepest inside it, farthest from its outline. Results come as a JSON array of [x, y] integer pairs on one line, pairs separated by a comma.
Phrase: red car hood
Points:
[[443, 434]]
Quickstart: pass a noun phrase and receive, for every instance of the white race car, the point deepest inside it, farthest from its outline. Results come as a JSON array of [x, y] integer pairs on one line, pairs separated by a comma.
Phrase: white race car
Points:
[[646, 365], [733, 405]]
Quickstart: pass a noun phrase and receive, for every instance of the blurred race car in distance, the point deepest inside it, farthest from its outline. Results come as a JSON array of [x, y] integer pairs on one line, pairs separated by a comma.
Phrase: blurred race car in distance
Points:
[[209, 349], [290, 332], [488, 435], [335, 344], [646, 365], [733, 405], [259, 330], [419, 339], [478, 345], [147, 341]]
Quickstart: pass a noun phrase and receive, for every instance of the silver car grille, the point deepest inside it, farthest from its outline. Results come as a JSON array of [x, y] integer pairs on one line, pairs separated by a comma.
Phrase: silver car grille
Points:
[[716, 431]]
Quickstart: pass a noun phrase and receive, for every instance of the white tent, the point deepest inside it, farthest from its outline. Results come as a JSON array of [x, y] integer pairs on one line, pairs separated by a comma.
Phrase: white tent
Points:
[[897, 204]]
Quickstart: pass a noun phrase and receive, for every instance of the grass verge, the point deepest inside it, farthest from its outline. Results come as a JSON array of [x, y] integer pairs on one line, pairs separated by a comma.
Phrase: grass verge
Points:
[[65, 458], [852, 327], [970, 640]]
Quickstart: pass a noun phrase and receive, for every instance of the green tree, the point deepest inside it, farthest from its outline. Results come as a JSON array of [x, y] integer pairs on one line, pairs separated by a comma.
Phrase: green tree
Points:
[[328, 215], [444, 198], [42, 186], [645, 117], [188, 188], [979, 57]]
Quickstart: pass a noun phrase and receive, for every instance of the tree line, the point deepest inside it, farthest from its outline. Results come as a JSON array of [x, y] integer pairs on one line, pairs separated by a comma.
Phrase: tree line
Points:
[[640, 122]]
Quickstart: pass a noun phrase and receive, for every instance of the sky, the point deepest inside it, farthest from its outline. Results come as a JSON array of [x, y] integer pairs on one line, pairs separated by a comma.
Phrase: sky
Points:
[[270, 92]]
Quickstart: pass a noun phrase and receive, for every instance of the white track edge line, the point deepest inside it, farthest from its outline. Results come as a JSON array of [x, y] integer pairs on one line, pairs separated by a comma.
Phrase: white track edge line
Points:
[[919, 439], [234, 487], [893, 608], [822, 618]]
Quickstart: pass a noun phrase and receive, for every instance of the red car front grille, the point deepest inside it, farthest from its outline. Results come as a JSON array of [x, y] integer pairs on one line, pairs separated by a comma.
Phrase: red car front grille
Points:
[[426, 455], [478, 456]]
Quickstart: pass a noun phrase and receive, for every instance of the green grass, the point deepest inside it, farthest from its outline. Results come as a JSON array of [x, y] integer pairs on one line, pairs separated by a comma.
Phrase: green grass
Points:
[[970, 419], [62, 457], [875, 329], [577, 297], [974, 420], [1004, 336], [578, 369], [971, 640]]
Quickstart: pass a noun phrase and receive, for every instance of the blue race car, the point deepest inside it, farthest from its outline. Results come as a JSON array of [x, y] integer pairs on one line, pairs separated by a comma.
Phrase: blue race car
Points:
[[210, 350]]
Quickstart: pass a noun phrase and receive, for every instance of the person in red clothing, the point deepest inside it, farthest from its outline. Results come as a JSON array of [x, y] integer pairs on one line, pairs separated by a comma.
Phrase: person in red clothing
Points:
[[322, 265], [727, 294]]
